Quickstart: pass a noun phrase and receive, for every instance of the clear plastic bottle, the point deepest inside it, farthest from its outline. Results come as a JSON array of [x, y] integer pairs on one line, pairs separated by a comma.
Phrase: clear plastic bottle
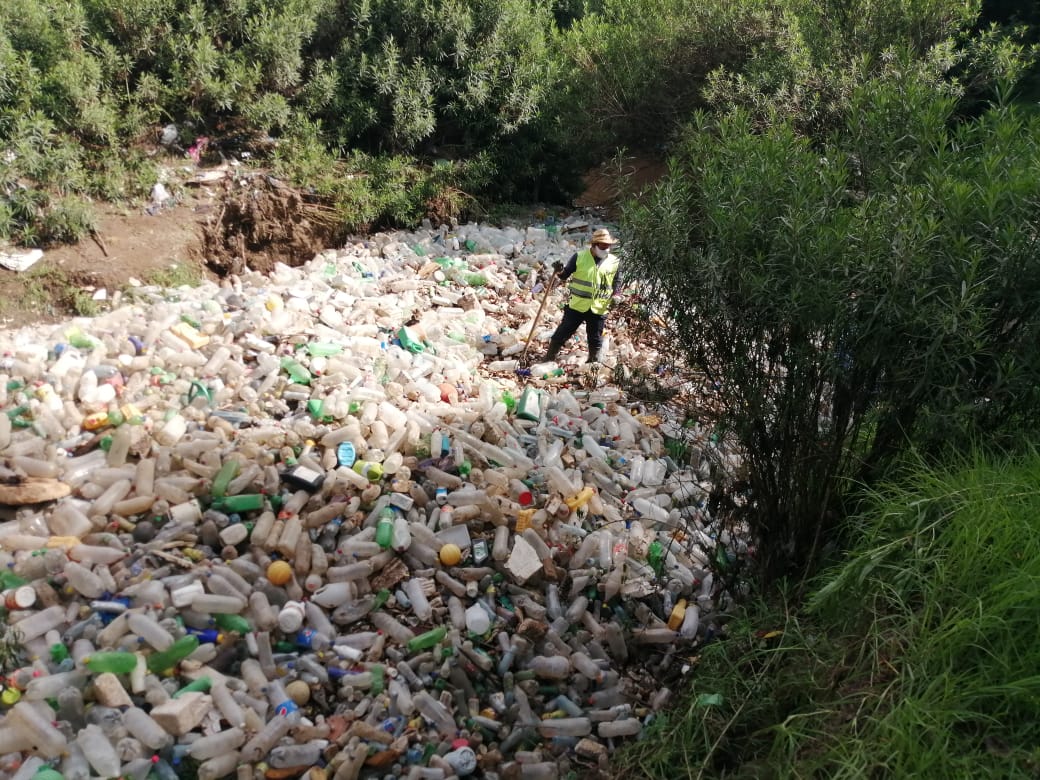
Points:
[[265, 739], [74, 765], [32, 767], [218, 604], [420, 604], [625, 727], [207, 747], [149, 630], [554, 667], [284, 756], [565, 727], [435, 713], [141, 725], [83, 580], [219, 766], [46, 739], [99, 751], [49, 686]]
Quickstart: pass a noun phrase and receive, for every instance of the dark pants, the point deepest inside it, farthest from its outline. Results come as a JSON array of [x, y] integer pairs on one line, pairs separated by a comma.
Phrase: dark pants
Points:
[[569, 324]]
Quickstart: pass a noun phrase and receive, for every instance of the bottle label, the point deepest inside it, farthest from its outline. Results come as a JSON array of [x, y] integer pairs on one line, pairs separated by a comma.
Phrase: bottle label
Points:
[[307, 478], [286, 707]]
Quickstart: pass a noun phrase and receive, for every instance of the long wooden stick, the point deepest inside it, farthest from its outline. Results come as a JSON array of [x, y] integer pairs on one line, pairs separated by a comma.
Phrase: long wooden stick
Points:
[[99, 241], [538, 316]]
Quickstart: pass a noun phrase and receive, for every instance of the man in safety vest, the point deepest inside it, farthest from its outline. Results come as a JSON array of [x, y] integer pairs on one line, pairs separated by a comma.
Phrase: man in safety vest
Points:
[[593, 275]]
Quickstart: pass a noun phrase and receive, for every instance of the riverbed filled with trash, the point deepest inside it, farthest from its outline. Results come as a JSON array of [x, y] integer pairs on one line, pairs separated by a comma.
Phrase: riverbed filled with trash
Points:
[[334, 522]]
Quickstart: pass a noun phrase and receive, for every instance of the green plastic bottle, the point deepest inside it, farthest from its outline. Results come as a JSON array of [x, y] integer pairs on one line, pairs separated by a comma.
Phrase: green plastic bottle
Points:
[[114, 661], [430, 639], [8, 580], [173, 655], [409, 340], [297, 372], [79, 339], [202, 685], [382, 596], [323, 349], [244, 502], [235, 623], [385, 528], [228, 471], [655, 556], [369, 469], [508, 400], [378, 679]]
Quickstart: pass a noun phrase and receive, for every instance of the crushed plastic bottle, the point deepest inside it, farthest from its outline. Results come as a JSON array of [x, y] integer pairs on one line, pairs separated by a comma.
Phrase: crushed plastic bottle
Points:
[[318, 518]]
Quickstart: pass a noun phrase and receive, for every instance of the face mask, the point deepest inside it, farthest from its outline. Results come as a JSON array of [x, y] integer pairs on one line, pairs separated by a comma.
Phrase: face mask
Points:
[[600, 254]]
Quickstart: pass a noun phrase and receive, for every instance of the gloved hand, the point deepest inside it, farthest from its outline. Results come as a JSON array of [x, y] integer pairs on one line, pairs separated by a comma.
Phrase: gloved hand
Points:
[[557, 267]]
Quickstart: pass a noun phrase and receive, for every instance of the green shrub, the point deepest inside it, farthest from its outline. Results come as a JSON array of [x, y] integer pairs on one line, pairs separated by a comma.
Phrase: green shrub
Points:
[[176, 275], [850, 297], [538, 90], [640, 70], [449, 75], [67, 220]]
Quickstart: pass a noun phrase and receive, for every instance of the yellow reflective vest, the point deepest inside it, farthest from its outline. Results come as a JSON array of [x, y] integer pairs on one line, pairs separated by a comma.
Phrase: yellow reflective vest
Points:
[[592, 285]]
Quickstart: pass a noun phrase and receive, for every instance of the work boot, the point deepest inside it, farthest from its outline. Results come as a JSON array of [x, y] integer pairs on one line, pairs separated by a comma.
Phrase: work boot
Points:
[[554, 350], [593, 357]]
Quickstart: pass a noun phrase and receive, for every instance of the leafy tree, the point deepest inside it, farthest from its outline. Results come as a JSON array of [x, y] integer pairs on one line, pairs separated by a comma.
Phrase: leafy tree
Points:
[[432, 75], [849, 297], [820, 51], [639, 66]]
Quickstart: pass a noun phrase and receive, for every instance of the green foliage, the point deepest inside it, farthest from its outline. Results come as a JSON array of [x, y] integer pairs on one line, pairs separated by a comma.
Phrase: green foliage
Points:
[[850, 297], [643, 68], [820, 51], [84, 83], [445, 74], [914, 656], [51, 290], [176, 275], [945, 567], [535, 90], [842, 30], [370, 192], [639, 66], [67, 220]]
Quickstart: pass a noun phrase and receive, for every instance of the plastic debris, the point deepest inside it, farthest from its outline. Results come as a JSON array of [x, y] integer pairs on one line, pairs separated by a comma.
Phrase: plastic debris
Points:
[[20, 260], [322, 522]]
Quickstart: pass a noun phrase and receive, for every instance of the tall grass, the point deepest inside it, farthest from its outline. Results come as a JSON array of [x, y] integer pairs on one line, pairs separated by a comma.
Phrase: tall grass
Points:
[[917, 656]]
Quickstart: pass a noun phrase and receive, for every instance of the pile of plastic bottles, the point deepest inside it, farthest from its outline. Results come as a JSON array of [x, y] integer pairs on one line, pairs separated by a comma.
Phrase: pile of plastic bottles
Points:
[[291, 527]]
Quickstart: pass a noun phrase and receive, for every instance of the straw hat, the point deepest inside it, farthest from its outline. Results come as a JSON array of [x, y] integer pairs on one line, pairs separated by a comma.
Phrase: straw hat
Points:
[[602, 236]]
